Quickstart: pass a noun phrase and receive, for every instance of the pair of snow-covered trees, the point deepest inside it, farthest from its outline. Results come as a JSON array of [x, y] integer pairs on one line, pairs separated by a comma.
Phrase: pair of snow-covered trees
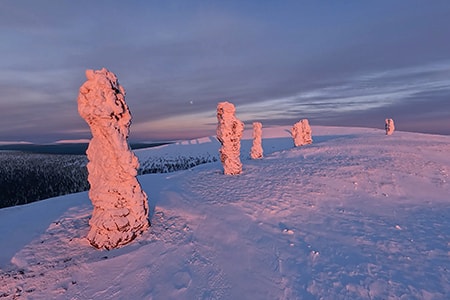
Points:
[[301, 133]]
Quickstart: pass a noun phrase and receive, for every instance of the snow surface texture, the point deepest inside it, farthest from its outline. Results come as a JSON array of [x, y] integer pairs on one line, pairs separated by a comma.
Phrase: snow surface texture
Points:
[[257, 151], [301, 133], [120, 205], [229, 133], [389, 126], [352, 216]]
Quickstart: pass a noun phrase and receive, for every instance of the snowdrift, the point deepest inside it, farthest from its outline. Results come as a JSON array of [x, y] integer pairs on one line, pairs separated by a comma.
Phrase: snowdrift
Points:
[[355, 215]]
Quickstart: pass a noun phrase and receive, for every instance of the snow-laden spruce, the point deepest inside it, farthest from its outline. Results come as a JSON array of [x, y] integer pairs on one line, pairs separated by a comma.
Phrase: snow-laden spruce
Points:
[[301, 133], [120, 205], [389, 126], [229, 134], [256, 151]]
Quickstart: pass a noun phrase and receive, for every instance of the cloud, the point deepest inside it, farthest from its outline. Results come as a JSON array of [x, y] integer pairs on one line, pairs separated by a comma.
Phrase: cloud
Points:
[[420, 92], [277, 61]]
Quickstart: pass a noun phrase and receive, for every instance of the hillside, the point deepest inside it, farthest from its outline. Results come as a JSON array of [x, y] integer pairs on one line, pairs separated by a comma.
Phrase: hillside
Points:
[[355, 215]]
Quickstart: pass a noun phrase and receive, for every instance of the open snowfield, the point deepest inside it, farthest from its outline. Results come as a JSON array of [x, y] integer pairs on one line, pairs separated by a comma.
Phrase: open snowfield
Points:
[[355, 215]]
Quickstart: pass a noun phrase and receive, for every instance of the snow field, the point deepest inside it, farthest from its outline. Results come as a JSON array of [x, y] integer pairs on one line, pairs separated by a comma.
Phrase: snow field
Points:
[[355, 215]]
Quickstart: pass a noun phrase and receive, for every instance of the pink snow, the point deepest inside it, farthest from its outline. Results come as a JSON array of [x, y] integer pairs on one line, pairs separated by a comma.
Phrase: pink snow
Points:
[[352, 216]]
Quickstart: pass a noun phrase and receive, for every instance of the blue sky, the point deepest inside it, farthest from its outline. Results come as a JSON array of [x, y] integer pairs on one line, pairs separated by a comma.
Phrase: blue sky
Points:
[[343, 63]]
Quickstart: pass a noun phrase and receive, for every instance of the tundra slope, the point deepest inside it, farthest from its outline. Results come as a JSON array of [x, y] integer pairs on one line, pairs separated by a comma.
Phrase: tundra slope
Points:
[[356, 215]]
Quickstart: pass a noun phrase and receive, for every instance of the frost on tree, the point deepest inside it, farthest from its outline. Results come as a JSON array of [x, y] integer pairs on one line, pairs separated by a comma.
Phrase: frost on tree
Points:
[[120, 205], [301, 133], [389, 126], [256, 151], [229, 133]]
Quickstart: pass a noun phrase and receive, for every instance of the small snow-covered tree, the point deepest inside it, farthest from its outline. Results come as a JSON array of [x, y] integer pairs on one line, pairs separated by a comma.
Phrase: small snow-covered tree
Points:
[[389, 126], [120, 205], [229, 133], [301, 133], [256, 151]]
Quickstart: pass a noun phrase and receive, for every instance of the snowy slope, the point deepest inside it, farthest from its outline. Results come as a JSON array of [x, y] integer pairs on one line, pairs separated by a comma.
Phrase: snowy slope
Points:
[[355, 215]]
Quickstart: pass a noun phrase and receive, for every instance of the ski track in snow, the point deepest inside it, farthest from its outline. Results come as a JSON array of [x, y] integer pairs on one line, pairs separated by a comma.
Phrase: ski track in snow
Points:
[[355, 215]]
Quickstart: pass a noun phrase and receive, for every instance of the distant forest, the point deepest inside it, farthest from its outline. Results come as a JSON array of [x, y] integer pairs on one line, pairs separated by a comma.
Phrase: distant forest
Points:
[[27, 177]]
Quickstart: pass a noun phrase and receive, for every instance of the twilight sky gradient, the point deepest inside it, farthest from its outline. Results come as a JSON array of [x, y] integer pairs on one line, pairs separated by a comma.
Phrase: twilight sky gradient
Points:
[[351, 63]]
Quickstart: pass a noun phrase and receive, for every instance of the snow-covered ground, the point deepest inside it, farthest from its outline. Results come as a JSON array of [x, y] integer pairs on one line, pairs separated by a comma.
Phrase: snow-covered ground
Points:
[[355, 215]]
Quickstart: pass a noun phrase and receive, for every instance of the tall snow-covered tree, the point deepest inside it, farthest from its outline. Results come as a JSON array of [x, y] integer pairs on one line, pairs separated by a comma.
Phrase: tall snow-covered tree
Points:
[[389, 126], [120, 205], [256, 151], [229, 134]]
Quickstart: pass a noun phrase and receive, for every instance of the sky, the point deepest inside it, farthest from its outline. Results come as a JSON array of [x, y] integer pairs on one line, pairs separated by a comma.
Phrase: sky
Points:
[[342, 63]]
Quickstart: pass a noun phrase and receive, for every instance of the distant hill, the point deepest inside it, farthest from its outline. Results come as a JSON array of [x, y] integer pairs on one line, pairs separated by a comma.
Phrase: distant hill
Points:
[[65, 148]]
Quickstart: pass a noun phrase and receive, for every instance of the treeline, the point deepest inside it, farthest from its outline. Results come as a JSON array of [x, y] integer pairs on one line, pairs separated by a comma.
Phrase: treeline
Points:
[[29, 177], [172, 164]]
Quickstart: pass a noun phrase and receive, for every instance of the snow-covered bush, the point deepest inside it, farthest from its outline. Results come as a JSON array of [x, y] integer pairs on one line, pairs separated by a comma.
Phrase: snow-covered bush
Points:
[[389, 126], [257, 151], [301, 133], [229, 133], [120, 205]]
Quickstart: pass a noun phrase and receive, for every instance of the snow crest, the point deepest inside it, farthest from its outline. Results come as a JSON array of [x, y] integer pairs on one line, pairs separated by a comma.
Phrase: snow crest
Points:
[[120, 205], [229, 133]]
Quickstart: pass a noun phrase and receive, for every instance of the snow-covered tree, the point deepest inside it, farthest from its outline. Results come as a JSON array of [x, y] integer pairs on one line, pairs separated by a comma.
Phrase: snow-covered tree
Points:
[[120, 205], [229, 133], [301, 133], [389, 126], [257, 151]]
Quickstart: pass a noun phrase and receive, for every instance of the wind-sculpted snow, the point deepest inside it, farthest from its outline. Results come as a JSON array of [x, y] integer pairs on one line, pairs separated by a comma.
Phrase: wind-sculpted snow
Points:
[[352, 216], [120, 205]]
